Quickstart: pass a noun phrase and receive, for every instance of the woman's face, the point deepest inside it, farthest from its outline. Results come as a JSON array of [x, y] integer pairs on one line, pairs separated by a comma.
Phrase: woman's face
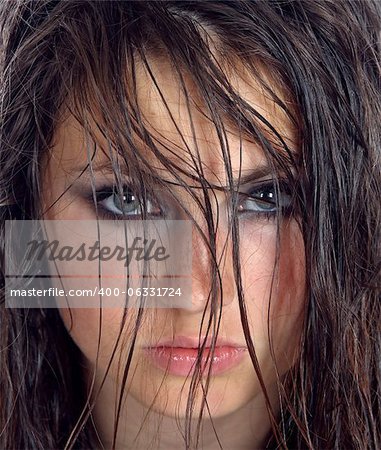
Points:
[[147, 383]]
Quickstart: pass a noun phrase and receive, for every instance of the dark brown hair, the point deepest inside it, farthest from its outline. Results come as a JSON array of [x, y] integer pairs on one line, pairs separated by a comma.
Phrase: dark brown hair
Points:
[[326, 55]]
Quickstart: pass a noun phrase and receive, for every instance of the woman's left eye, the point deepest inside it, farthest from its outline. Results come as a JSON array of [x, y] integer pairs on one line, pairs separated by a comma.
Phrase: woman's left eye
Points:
[[125, 204], [264, 199]]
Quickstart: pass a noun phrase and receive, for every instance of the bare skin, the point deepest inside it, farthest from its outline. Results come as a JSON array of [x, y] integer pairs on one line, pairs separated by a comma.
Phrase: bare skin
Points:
[[235, 398]]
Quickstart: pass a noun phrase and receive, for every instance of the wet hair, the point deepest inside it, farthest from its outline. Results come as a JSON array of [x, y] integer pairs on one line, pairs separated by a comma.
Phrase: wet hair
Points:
[[325, 58]]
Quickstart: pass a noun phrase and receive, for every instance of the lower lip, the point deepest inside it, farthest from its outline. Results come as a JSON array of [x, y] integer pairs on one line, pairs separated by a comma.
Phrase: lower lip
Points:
[[182, 361]]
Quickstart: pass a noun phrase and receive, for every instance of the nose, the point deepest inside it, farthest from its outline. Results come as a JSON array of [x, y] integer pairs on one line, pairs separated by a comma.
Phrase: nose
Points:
[[211, 272]]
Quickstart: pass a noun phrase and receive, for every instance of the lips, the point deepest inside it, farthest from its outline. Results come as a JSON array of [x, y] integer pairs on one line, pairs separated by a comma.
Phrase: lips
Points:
[[178, 356]]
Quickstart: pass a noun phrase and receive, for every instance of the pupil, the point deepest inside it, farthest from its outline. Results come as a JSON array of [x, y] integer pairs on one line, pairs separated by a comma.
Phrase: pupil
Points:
[[126, 203], [267, 195], [268, 198]]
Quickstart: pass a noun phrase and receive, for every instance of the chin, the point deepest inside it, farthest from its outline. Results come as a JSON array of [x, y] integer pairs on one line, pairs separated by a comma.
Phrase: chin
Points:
[[168, 395]]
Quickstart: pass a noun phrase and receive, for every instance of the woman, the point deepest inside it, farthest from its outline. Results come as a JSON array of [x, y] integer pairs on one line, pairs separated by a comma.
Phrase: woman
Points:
[[258, 124]]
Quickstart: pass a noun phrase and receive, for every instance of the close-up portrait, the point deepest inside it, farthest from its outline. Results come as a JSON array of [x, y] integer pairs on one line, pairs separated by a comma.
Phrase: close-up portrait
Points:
[[190, 224]]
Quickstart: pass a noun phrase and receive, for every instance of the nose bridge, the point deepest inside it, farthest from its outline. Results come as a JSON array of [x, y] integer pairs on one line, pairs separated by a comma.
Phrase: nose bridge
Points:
[[203, 267]]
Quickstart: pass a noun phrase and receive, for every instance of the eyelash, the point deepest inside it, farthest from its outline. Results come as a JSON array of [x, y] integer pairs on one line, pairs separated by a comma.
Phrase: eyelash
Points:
[[255, 194], [285, 203]]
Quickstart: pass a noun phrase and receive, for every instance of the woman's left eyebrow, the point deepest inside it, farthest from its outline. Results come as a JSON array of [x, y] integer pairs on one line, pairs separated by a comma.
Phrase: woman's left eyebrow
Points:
[[250, 175]]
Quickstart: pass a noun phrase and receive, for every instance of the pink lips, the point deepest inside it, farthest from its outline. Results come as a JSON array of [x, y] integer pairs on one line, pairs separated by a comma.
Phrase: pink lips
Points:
[[179, 355]]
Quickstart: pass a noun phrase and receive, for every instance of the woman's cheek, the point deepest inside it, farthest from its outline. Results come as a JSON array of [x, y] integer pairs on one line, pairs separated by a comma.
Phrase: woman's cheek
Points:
[[281, 284], [95, 331]]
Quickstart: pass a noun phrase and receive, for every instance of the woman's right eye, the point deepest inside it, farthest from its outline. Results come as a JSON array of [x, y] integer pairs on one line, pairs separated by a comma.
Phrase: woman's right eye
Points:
[[123, 204]]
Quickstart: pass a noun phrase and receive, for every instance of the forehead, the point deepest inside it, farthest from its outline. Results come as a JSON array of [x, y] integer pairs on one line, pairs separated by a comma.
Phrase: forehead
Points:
[[164, 99], [176, 110], [175, 114]]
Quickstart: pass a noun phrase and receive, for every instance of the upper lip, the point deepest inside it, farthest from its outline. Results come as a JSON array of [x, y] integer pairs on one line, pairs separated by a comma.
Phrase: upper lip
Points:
[[194, 342]]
